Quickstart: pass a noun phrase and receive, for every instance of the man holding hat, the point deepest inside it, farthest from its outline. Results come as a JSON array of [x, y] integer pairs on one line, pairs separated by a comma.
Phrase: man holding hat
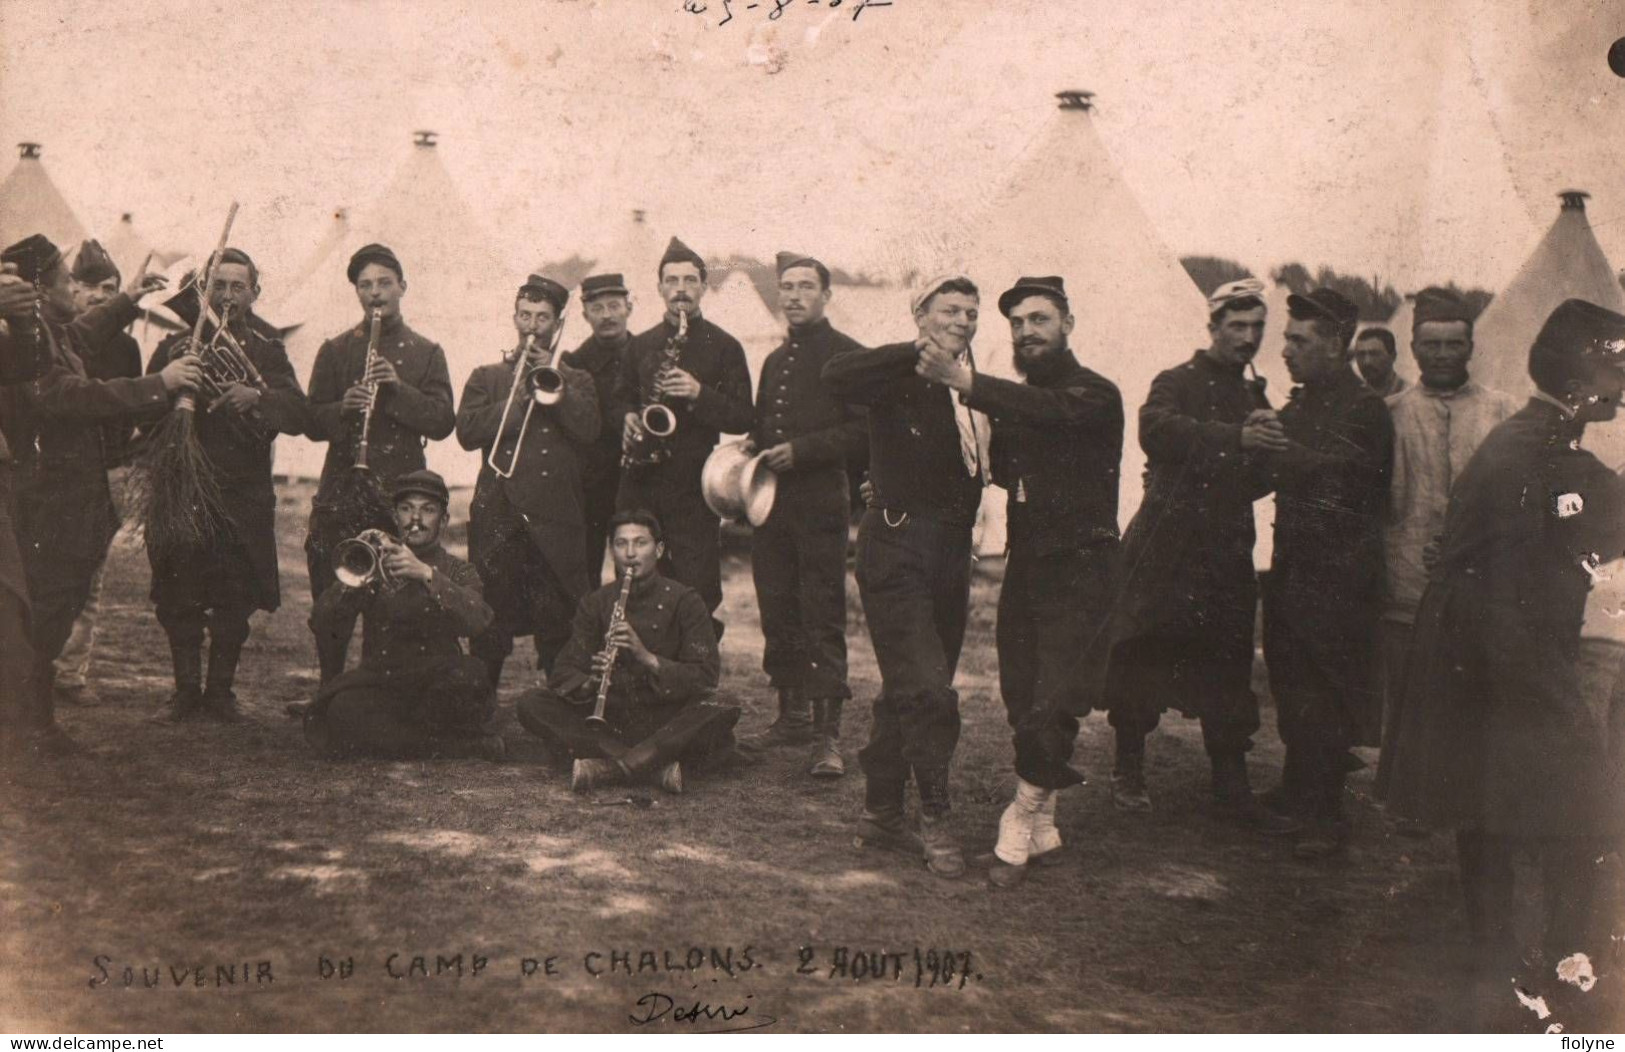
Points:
[[96, 280], [216, 586], [1496, 740], [1183, 627], [65, 512], [414, 403], [1439, 423], [525, 530], [415, 695], [1057, 448], [708, 388], [798, 556], [928, 454], [607, 306], [1323, 594]]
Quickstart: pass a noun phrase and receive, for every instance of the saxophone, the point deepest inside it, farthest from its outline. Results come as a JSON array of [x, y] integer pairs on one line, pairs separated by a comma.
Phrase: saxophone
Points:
[[611, 650], [648, 446]]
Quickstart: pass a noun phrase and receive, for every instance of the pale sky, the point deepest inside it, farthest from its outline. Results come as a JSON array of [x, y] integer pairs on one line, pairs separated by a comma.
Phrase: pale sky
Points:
[[1381, 136]]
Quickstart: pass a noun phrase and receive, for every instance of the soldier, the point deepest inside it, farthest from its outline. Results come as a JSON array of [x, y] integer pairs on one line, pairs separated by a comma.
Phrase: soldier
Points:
[[705, 381], [1183, 625], [65, 512], [414, 404], [1323, 594], [1374, 355], [798, 556], [1057, 448], [929, 458], [21, 360], [660, 709], [607, 306], [1496, 739], [218, 585], [415, 695], [525, 530], [96, 280]]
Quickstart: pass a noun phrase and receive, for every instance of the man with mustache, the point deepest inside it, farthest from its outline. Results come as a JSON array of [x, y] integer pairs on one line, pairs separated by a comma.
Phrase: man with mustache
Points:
[[708, 388], [216, 586], [65, 511], [1439, 423], [661, 713], [607, 306], [524, 531], [414, 405], [1323, 594], [415, 695], [1057, 448], [96, 280], [929, 462], [798, 556], [1183, 626]]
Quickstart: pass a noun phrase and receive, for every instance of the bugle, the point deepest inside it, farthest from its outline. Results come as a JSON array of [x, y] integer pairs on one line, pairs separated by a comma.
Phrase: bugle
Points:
[[359, 561], [611, 651]]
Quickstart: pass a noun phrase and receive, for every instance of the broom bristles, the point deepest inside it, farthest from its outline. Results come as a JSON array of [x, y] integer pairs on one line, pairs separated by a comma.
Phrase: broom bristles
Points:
[[174, 494]]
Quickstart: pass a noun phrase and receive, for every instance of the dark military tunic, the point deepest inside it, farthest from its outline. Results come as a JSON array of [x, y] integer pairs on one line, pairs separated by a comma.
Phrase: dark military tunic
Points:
[[1495, 733], [1183, 624], [408, 414], [1057, 448], [239, 449], [655, 716], [1324, 592], [671, 490], [798, 556], [525, 532], [22, 358], [600, 460]]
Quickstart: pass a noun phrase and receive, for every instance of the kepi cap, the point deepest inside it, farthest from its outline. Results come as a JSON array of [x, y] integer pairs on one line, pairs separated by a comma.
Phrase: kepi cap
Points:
[[33, 256], [373, 253], [596, 285], [424, 483], [538, 287]]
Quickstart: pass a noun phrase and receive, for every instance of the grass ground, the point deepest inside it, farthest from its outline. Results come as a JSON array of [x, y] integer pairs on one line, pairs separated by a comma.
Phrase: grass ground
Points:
[[174, 851]]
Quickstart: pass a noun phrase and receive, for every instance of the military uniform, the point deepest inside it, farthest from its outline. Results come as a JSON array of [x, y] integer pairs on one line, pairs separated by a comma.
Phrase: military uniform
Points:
[[671, 490], [798, 556], [218, 585], [913, 569], [600, 459], [1057, 448], [1323, 594], [654, 717], [415, 693], [525, 533], [1183, 627]]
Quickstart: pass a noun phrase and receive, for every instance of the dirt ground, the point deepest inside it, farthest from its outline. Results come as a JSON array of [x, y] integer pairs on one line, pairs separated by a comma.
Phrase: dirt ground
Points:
[[136, 882]]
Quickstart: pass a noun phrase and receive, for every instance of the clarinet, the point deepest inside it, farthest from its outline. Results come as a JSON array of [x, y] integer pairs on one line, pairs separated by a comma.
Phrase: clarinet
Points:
[[611, 650]]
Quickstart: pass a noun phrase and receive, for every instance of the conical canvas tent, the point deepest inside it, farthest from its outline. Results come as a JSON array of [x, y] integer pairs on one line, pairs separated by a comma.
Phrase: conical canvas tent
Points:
[[1567, 263], [335, 232], [459, 294], [870, 314], [1067, 211], [736, 306], [635, 255], [30, 203]]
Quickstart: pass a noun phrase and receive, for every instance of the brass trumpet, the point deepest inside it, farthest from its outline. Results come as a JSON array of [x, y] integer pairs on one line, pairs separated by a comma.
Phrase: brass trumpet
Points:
[[359, 561], [543, 385], [658, 420]]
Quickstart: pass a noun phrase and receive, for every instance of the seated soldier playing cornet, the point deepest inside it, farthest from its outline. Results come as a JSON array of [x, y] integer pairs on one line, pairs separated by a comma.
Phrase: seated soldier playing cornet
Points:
[[416, 694], [632, 696]]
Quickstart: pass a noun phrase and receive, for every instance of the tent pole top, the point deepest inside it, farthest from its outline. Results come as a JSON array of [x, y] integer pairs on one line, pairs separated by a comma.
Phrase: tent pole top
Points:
[[1573, 199], [425, 137], [28, 150], [1076, 100]]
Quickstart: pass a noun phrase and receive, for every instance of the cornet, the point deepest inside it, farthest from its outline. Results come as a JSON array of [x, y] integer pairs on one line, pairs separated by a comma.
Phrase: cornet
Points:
[[225, 363], [544, 385], [359, 561]]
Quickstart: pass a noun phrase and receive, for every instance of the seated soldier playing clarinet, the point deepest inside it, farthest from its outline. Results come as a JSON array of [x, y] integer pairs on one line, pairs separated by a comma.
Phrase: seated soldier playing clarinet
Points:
[[632, 696]]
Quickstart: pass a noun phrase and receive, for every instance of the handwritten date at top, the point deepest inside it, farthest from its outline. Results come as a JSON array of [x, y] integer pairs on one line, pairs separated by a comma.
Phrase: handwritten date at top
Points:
[[775, 8]]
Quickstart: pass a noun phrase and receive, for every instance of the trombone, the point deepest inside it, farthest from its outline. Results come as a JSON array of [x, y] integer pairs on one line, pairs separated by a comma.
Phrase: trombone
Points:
[[544, 385]]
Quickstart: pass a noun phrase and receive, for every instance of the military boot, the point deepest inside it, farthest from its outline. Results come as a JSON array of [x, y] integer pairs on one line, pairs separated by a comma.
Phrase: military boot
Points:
[[1128, 782], [883, 824], [826, 755], [1233, 798], [219, 702], [187, 701], [794, 725]]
